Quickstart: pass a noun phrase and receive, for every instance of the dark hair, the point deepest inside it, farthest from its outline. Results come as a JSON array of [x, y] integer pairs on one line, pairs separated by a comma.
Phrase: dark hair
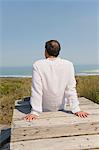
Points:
[[53, 47]]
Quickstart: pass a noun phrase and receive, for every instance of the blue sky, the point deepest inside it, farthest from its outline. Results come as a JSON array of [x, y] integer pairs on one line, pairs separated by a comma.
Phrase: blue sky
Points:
[[27, 24]]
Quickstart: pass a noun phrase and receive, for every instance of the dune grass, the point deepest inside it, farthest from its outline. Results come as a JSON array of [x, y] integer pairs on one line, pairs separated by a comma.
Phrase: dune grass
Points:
[[88, 86], [12, 89]]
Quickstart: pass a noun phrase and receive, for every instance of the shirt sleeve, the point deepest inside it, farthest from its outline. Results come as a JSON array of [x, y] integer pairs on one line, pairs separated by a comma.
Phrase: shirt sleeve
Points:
[[70, 91], [36, 92]]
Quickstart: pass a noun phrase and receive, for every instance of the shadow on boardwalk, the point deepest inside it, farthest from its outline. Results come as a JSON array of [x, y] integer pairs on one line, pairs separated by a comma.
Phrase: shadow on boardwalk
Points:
[[24, 105], [5, 138]]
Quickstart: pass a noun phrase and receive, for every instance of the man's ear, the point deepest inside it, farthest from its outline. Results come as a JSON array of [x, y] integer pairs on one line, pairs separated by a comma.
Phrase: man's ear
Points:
[[46, 54]]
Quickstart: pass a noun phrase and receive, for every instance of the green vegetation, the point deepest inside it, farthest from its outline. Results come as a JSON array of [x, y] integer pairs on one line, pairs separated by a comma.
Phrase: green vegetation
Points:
[[88, 86], [12, 89]]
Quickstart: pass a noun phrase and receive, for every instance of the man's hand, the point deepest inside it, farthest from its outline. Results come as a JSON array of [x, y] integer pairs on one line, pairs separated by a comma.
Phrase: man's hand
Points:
[[30, 117], [81, 114]]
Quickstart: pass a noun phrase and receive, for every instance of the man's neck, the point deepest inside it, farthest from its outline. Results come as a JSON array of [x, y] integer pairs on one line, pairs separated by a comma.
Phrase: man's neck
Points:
[[52, 58]]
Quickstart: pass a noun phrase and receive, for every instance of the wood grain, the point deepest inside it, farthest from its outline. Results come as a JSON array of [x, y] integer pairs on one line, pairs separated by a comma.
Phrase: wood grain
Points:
[[64, 143], [55, 130]]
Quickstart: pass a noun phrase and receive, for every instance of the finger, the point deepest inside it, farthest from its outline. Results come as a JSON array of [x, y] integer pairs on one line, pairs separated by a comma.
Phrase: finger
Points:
[[81, 115], [25, 118], [31, 118], [28, 119], [78, 114], [34, 118], [85, 115]]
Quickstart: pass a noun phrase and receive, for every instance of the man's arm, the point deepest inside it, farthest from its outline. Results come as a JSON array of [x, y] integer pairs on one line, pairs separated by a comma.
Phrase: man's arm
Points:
[[36, 91], [71, 94], [36, 94]]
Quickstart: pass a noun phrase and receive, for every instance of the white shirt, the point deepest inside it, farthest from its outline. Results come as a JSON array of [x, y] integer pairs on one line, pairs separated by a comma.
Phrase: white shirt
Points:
[[53, 81]]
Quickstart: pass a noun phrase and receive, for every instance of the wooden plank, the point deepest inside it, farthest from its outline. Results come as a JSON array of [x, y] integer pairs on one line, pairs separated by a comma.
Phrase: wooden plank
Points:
[[40, 132], [64, 143], [17, 115], [84, 107], [84, 100], [52, 121]]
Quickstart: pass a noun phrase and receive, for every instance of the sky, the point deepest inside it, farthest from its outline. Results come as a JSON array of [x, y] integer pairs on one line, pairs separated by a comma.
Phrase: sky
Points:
[[26, 25]]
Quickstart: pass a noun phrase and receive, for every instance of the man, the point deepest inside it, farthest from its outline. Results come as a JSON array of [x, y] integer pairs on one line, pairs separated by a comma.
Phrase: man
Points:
[[53, 81]]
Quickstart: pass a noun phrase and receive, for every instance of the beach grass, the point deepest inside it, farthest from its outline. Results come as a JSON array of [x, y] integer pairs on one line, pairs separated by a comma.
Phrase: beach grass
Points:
[[12, 89], [88, 86]]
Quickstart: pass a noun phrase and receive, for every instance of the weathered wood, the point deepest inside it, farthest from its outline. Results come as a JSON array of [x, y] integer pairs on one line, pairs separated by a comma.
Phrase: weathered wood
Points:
[[55, 124], [55, 130], [64, 143], [51, 125], [52, 121], [40, 132]]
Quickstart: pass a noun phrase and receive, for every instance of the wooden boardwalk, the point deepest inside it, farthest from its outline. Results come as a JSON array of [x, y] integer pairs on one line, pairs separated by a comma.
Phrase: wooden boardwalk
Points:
[[55, 130]]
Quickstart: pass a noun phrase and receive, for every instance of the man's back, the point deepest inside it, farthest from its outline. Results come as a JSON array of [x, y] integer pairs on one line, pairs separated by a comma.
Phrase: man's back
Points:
[[54, 75]]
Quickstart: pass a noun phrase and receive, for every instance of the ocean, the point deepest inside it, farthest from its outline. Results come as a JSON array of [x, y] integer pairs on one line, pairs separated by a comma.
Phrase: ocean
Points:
[[27, 71]]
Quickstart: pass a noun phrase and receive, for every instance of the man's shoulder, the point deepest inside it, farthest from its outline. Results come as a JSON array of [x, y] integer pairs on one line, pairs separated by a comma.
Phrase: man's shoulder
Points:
[[38, 62], [67, 61]]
